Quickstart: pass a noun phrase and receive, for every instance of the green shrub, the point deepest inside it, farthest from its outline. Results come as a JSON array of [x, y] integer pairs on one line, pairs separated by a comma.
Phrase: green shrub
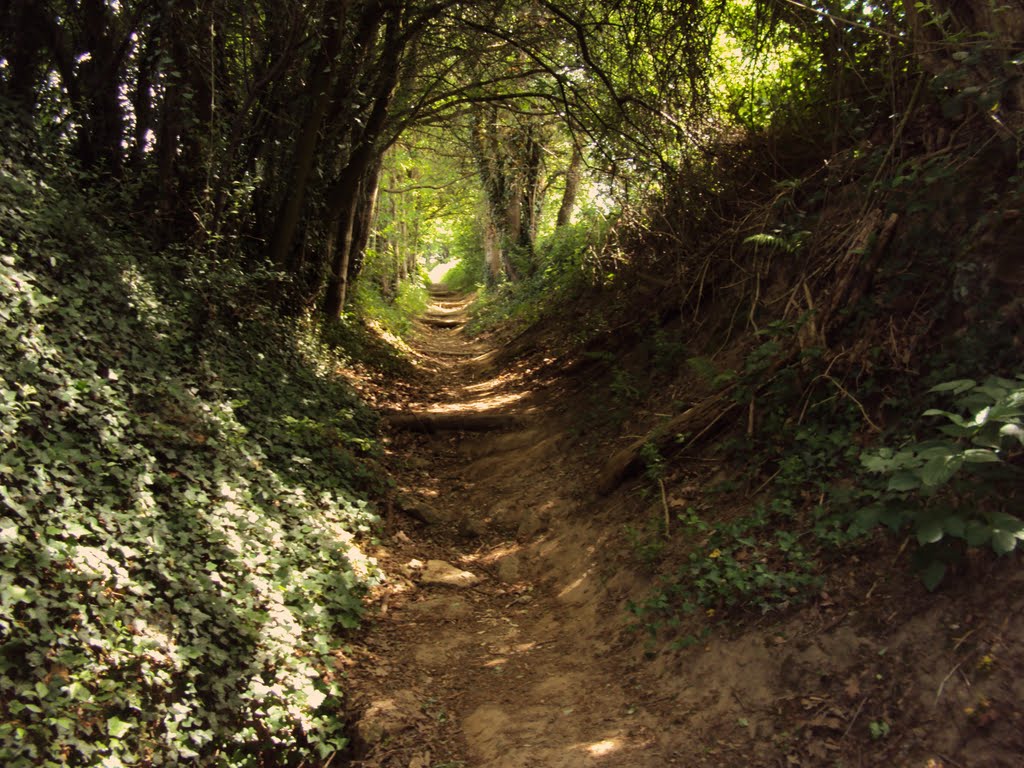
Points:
[[961, 485]]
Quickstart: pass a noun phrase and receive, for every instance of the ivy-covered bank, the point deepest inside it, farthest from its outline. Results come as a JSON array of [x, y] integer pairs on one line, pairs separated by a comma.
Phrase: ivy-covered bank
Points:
[[183, 485]]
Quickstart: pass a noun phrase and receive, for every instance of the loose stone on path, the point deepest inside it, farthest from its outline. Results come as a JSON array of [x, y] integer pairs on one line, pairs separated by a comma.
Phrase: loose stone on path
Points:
[[444, 574]]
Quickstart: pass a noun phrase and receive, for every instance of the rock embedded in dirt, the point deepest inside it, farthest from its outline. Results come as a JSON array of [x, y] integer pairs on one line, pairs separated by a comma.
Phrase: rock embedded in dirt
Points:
[[471, 527], [402, 538], [444, 574], [532, 524], [421, 510], [509, 569], [386, 717]]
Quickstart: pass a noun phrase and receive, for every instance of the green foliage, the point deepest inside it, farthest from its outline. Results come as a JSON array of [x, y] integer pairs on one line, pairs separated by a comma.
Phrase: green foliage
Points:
[[572, 253], [962, 486], [393, 315], [775, 556], [667, 351], [879, 729], [981, 77], [647, 541], [708, 371], [181, 484], [778, 240], [654, 462], [781, 70], [467, 249], [613, 396], [565, 263], [753, 563]]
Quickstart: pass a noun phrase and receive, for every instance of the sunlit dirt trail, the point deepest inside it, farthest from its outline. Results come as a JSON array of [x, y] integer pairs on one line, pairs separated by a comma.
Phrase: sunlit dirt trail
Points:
[[509, 668]]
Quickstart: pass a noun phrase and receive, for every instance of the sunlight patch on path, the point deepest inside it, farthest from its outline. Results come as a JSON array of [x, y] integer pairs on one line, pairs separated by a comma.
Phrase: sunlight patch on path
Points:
[[603, 747], [485, 404]]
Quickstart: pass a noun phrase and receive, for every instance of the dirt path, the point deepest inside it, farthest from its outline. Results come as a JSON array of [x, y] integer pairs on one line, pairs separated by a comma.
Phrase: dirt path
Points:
[[510, 671], [499, 639]]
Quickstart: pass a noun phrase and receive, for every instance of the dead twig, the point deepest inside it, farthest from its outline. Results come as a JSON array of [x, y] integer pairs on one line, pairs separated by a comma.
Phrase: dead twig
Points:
[[853, 719], [664, 504], [761, 487], [858, 403], [938, 693]]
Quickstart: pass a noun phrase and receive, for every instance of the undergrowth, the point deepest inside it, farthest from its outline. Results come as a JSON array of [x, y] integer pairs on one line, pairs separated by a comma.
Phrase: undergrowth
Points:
[[183, 483], [393, 314], [841, 432], [562, 264]]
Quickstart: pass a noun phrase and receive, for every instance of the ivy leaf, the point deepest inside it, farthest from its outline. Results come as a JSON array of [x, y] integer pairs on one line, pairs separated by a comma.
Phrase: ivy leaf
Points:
[[893, 518], [117, 727], [314, 698], [954, 526], [977, 534], [8, 531], [876, 462], [76, 530], [78, 692], [867, 517]]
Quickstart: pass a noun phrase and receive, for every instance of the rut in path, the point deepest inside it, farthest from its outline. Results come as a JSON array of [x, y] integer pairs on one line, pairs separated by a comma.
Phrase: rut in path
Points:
[[517, 669]]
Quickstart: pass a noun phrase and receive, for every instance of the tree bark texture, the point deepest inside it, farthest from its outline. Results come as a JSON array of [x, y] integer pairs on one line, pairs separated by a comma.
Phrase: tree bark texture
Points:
[[573, 176]]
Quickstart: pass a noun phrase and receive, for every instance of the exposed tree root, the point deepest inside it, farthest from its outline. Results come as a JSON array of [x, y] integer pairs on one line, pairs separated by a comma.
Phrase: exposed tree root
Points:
[[442, 322], [698, 421]]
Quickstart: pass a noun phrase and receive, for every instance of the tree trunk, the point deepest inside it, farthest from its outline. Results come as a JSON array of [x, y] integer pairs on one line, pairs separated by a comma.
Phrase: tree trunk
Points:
[[360, 178], [323, 71], [366, 211], [142, 104], [573, 176], [492, 253], [23, 37], [287, 220], [339, 248]]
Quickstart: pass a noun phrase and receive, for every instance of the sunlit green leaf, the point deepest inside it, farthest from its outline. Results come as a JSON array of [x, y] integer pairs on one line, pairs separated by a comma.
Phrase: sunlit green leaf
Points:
[[904, 481], [1004, 542], [929, 532], [956, 387], [1013, 431], [981, 456], [117, 727], [939, 470]]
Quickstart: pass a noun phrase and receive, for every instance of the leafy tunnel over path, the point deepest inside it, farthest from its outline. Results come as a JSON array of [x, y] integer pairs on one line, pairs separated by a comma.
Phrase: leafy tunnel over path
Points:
[[751, 269]]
